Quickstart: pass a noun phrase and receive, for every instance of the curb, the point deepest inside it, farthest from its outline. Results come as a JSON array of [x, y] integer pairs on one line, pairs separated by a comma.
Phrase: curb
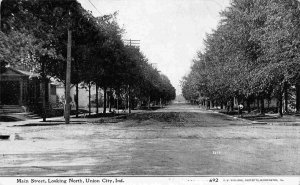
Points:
[[258, 122], [249, 121]]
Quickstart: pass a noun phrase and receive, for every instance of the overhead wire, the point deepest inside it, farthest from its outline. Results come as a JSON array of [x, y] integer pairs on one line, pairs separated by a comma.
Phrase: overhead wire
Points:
[[94, 7]]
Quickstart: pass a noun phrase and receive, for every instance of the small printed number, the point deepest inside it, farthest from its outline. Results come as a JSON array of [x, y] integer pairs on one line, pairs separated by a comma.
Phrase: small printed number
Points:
[[214, 180]]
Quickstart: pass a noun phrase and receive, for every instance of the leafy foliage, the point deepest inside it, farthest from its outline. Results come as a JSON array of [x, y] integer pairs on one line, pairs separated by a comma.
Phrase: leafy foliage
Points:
[[34, 37], [254, 52]]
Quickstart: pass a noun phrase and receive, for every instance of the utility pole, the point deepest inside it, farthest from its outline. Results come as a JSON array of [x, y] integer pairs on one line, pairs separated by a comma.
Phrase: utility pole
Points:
[[0, 31], [0, 15], [68, 76], [134, 43]]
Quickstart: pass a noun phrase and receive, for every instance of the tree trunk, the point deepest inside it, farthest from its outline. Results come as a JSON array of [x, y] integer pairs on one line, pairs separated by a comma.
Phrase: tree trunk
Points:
[[257, 105], [129, 107], [228, 106], [44, 91], [149, 100], [109, 100], [89, 98], [160, 104], [118, 102], [232, 104], [104, 100], [97, 101], [280, 105], [68, 78], [298, 98], [262, 106], [248, 106], [286, 96], [44, 98], [77, 100]]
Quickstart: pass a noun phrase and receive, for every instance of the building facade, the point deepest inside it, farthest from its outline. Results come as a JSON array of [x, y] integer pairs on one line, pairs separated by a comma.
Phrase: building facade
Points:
[[23, 88]]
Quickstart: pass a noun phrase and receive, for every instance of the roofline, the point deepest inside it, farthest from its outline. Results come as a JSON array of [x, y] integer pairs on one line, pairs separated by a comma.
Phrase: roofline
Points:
[[21, 73]]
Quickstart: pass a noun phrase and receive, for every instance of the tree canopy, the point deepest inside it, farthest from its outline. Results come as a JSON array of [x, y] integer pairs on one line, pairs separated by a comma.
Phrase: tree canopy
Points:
[[34, 37], [253, 53]]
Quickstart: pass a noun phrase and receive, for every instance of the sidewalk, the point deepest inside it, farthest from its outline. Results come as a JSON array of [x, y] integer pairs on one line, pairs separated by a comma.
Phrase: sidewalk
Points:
[[274, 119], [12, 128], [267, 119], [83, 118]]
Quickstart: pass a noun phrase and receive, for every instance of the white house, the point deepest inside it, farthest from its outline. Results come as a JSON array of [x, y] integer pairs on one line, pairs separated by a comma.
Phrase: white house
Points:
[[83, 94]]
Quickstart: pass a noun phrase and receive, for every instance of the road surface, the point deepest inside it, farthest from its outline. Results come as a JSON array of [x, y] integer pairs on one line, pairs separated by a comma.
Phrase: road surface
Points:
[[177, 140]]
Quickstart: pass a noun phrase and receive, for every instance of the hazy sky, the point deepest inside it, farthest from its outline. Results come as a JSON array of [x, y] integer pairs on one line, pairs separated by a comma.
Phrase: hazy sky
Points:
[[171, 31]]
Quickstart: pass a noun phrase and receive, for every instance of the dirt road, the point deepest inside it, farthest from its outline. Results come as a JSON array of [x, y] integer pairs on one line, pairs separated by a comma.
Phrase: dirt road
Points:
[[178, 140]]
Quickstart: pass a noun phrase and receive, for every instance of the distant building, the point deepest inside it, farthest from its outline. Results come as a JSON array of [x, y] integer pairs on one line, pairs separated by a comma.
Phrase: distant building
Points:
[[83, 94]]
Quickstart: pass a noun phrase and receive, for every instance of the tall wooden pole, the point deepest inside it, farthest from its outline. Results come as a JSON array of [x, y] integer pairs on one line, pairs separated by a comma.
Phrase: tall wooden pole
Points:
[[0, 30], [68, 78], [131, 43], [77, 100], [0, 15]]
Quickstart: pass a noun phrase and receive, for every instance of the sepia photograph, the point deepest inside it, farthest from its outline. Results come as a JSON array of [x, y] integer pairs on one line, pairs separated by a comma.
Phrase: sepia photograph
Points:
[[149, 88]]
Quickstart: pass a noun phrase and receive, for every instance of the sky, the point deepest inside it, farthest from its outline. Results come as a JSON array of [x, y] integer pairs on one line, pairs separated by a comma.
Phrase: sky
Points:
[[170, 31]]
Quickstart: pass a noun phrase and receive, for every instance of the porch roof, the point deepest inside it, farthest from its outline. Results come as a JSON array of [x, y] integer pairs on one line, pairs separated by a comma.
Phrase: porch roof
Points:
[[16, 72]]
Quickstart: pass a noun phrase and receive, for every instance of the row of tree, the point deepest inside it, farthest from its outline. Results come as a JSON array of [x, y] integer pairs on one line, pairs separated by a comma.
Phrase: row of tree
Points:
[[252, 55], [34, 34]]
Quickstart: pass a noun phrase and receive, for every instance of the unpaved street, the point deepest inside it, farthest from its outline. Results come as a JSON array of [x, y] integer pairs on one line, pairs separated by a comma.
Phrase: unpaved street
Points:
[[178, 140]]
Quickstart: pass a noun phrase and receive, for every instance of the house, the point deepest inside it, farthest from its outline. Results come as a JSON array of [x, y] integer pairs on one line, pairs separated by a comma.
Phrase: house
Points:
[[83, 94], [21, 91]]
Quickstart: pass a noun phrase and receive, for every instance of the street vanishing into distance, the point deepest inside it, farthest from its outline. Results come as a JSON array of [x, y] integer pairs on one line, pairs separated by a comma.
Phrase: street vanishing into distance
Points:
[[149, 87], [180, 139]]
